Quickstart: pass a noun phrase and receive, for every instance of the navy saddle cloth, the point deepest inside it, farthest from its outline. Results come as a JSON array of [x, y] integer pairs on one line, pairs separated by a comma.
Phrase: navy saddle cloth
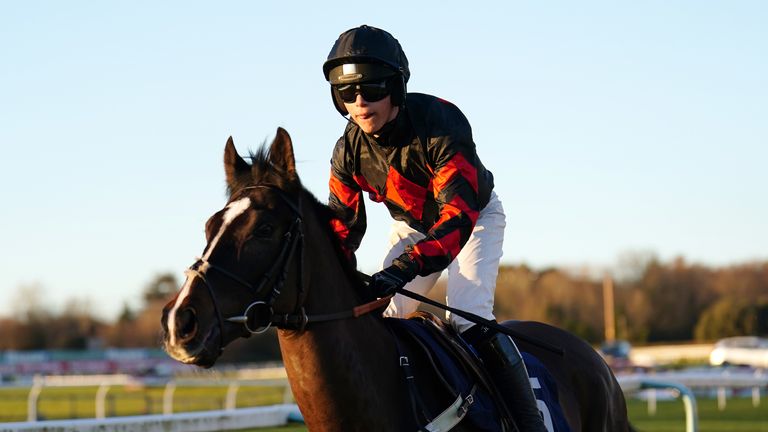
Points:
[[442, 344]]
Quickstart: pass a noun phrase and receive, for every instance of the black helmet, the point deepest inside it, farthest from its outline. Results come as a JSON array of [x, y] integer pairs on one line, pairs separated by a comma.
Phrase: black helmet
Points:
[[375, 55]]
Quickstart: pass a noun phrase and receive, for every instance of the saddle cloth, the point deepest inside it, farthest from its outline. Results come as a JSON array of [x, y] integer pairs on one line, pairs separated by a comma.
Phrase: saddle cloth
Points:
[[545, 389], [459, 366]]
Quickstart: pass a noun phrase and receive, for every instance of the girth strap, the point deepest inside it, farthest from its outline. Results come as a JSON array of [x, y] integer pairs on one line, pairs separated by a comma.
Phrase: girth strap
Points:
[[453, 414]]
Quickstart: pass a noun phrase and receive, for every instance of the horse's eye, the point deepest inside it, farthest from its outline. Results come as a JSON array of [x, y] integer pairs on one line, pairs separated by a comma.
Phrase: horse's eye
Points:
[[263, 231]]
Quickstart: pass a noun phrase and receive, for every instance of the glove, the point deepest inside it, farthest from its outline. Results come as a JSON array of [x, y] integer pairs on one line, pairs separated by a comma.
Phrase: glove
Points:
[[389, 280]]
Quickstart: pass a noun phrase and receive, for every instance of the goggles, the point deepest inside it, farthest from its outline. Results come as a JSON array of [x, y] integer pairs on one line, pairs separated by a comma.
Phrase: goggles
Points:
[[371, 91]]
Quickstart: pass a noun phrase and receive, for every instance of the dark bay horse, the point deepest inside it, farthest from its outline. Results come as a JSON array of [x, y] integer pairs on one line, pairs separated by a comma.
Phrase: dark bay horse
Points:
[[272, 258]]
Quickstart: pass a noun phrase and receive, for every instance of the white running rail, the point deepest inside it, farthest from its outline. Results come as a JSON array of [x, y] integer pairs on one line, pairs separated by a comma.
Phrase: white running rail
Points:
[[220, 420], [683, 381]]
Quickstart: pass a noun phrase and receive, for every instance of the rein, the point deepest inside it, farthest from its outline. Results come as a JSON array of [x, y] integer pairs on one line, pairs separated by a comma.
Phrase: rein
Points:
[[259, 315], [478, 320]]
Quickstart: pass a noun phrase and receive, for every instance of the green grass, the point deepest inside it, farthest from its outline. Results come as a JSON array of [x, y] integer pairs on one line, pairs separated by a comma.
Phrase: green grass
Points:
[[59, 403], [739, 416], [292, 427], [65, 403]]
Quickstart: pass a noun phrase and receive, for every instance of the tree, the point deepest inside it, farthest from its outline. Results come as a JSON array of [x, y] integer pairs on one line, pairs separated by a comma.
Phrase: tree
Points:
[[731, 316], [33, 318], [161, 288], [675, 295], [28, 303], [75, 327], [127, 314], [567, 300]]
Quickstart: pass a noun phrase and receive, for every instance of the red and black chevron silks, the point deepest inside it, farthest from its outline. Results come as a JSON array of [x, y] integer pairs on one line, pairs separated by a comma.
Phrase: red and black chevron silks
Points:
[[424, 169]]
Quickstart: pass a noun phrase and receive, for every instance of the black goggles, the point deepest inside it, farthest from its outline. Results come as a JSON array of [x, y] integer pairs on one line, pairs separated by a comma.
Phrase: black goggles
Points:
[[371, 92]]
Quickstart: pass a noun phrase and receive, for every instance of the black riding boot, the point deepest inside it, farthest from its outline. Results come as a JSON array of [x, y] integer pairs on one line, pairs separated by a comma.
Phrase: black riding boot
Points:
[[505, 365]]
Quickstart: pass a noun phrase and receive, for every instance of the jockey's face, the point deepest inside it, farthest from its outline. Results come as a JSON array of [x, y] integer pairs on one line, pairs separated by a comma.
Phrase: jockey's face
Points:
[[371, 116]]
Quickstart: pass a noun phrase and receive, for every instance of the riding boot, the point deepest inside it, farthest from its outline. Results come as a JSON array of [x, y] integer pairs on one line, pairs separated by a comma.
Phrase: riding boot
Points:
[[505, 365]]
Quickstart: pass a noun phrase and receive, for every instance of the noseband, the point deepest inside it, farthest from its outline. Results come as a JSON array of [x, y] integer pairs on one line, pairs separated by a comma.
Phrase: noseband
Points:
[[293, 243]]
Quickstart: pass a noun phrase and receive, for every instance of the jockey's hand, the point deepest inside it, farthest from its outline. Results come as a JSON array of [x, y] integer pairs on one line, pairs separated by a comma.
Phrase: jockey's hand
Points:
[[391, 279]]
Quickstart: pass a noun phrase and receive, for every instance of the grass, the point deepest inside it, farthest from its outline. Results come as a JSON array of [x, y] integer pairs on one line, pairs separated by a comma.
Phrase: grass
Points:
[[59, 403], [292, 427], [739, 416], [64, 403]]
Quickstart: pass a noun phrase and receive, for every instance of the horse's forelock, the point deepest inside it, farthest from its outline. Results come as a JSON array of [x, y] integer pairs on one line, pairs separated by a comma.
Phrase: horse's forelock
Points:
[[263, 172]]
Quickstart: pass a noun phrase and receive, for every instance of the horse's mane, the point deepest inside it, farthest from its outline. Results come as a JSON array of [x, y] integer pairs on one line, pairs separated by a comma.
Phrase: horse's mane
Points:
[[324, 216]]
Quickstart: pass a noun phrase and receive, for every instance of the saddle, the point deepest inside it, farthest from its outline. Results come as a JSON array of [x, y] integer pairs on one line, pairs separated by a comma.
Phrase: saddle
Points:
[[464, 377], [457, 367]]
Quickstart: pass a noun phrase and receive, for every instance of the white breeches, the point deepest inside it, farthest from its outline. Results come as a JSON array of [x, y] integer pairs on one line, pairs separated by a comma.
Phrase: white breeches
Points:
[[471, 275]]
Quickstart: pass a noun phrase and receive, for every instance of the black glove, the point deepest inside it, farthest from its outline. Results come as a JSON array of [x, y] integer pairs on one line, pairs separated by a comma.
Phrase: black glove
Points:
[[389, 280]]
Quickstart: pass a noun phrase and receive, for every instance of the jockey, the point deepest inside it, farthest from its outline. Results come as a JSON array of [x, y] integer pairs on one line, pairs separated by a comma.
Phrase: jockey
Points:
[[414, 152]]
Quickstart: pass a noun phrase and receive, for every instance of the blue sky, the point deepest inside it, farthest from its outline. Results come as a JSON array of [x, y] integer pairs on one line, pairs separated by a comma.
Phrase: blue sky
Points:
[[611, 127]]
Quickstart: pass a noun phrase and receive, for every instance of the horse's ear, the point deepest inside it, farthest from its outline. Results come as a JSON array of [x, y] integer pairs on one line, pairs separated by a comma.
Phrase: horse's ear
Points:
[[235, 166], [281, 153]]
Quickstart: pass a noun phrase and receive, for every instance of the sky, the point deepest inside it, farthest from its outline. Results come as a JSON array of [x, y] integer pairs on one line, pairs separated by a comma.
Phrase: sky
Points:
[[612, 128]]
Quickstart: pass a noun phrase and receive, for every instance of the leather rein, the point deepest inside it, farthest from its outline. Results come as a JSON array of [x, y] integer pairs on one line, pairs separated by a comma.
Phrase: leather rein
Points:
[[259, 315]]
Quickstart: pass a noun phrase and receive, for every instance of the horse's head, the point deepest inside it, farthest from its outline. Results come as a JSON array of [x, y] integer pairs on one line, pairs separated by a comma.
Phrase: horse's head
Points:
[[253, 244]]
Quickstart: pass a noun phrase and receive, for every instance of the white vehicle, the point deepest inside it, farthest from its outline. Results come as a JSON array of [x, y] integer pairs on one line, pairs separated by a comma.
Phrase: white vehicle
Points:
[[740, 350]]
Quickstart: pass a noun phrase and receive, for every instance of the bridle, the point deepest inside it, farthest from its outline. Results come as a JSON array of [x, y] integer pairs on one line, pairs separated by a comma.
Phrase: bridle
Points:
[[259, 315]]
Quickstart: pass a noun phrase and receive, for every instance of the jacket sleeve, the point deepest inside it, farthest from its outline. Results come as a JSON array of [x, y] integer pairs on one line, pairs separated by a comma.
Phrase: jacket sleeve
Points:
[[346, 200], [454, 162]]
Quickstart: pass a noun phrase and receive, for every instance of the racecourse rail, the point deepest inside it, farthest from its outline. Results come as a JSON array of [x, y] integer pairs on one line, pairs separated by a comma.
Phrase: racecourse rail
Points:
[[229, 418]]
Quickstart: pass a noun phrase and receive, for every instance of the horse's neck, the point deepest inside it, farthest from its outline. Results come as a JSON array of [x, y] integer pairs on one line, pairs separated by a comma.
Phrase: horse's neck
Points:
[[337, 367]]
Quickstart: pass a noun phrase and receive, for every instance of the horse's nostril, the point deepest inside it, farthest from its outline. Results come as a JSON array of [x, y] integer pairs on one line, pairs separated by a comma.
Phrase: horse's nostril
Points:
[[187, 323]]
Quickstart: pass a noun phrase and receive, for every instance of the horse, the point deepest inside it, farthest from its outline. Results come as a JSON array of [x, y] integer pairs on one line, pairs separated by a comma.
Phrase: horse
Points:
[[272, 258]]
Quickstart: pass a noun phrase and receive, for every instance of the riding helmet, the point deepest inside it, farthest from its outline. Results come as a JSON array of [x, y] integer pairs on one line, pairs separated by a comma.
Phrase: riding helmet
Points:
[[370, 54]]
